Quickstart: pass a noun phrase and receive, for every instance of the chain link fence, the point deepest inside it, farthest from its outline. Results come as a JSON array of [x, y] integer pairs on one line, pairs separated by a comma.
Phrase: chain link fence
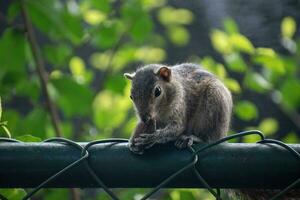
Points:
[[194, 155]]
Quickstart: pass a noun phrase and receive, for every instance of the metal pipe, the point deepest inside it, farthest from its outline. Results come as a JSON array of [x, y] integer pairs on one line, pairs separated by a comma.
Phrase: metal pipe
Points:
[[230, 165]]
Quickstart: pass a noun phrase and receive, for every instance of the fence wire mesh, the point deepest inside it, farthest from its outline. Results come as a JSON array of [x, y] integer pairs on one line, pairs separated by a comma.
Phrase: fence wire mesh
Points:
[[192, 165]]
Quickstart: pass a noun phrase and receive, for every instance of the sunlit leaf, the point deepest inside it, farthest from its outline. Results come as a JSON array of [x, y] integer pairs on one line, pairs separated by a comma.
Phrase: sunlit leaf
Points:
[[288, 27], [241, 43], [28, 138], [178, 35], [100, 60], [151, 4], [220, 42], [13, 194], [230, 26], [150, 54], [268, 126], [110, 109], [269, 59], [216, 68], [246, 110], [130, 126], [235, 62], [94, 17], [77, 66], [232, 85], [257, 82], [251, 138], [291, 138], [172, 16]]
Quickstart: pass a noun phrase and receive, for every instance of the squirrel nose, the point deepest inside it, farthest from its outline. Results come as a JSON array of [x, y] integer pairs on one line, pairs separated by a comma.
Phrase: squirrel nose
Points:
[[145, 118]]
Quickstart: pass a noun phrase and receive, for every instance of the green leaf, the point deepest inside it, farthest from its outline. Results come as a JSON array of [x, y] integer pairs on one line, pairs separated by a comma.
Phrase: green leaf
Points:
[[246, 110], [13, 117], [269, 59], [172, 16], [149, 54], [57, 54], [53, 19], [94, 17], [12, 51], [109, 34], [141, 28], [178, 35], [288, 27], [12, 194], [73, 98], [5, 130], [115, 83], [290, 93], [268, 126], [0, 109], [13, 10], [230, 26], [151, 4], [57, 193], [257, 82], [241, 43], [77, 66], [129, 127], [220, 41], [28, 138], [235, 62], [35, 123], [251, 138], [216, 68], [29, 89], [102, 5], [232, 85], [291, 138], [110, 108]]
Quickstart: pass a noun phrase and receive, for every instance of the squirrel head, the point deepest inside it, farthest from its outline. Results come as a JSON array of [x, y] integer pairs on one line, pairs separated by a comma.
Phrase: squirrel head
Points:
[[151, 89]]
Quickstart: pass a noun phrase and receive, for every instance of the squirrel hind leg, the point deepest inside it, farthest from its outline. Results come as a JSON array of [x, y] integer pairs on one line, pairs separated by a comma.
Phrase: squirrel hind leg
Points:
[[185, 141]]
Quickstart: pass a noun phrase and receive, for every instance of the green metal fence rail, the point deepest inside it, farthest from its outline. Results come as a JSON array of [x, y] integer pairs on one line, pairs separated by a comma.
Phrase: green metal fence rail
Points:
[[60, 163]]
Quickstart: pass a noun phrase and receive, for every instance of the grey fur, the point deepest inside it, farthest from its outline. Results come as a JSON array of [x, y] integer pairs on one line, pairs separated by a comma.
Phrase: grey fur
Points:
[[193, 106]]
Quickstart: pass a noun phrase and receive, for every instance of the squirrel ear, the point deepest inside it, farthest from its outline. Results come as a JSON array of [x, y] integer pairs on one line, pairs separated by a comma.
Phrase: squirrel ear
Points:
[[164, 73], [129, 76]]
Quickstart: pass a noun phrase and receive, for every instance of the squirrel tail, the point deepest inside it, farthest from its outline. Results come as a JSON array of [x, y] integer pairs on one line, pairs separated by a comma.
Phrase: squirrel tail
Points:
[[261, 194]]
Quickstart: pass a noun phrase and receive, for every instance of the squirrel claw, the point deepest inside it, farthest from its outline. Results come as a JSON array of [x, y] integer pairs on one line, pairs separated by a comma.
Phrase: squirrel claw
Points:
[[185, 141], [135, 149], [144, 139]]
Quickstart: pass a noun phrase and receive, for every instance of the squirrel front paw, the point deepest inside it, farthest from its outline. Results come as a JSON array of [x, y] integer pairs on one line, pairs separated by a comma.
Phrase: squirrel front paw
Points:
[[134, 148], [146, 140], [185, 141]]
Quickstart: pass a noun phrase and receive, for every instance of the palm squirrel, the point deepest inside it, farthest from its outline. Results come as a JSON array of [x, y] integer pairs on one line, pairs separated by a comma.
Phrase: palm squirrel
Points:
[[183, 103]]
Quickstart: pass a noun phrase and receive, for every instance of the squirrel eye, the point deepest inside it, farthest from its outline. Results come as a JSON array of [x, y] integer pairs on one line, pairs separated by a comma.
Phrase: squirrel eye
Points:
[[157, 91]]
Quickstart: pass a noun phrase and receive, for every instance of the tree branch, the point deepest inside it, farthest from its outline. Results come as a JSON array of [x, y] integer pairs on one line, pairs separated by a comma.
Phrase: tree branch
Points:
[[40, 68]]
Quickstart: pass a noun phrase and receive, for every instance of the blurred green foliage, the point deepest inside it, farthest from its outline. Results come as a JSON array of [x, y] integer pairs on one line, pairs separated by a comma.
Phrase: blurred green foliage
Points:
[[87, 45]]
